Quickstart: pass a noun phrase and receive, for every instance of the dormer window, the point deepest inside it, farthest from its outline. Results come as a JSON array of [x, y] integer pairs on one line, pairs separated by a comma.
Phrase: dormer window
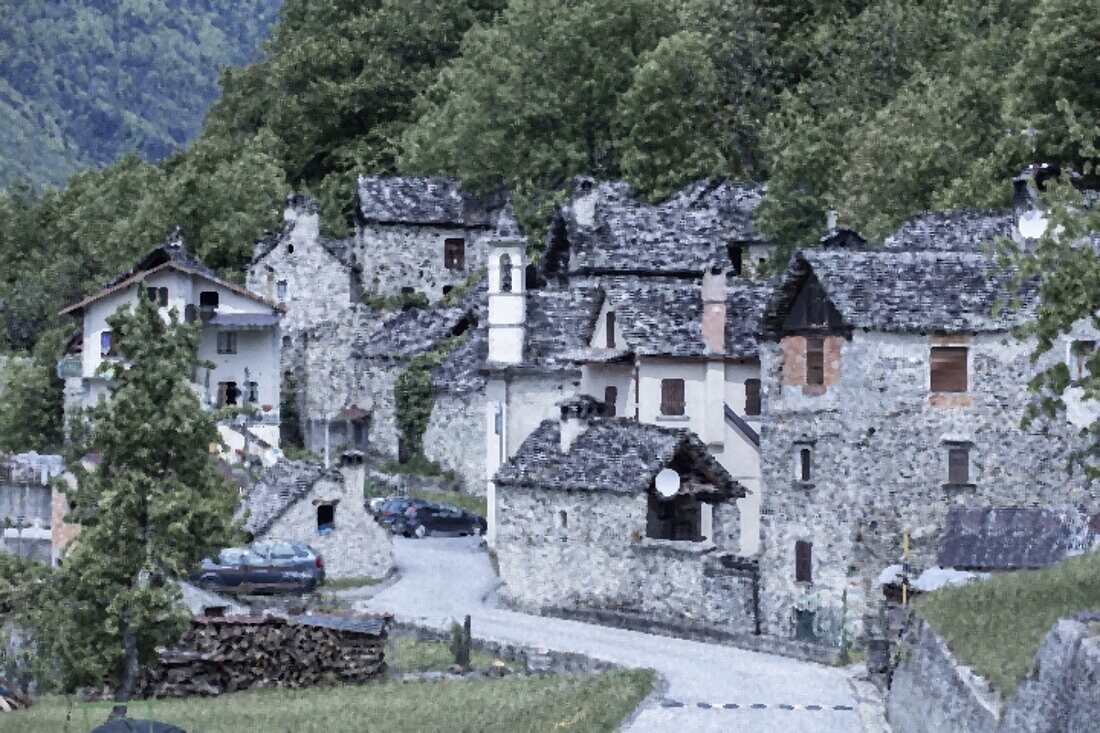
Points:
[[609, 326], [454, 253]]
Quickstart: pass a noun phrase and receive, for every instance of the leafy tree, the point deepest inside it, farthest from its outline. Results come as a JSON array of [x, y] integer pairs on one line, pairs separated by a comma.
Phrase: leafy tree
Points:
[[31, 399], [153, 508], [667, 121]]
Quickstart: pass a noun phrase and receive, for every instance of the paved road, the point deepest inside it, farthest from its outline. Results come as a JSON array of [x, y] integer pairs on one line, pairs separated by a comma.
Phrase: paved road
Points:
[[709, 687]]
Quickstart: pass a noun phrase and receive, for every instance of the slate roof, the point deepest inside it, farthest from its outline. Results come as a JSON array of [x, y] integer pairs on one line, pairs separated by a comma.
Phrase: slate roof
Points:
[[1010, 538], [615, 455], [559, 323], [277, 488], [683, 235], [460, 372], [951, 231], [906, 292], [441, 201], [419, 330]]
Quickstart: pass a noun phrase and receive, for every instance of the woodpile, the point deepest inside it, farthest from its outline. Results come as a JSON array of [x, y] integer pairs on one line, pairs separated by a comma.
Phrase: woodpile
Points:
[[231, 653], [12, 699]]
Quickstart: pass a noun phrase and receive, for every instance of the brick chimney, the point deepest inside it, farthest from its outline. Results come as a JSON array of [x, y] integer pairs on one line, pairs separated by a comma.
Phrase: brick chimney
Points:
[[714, 310]]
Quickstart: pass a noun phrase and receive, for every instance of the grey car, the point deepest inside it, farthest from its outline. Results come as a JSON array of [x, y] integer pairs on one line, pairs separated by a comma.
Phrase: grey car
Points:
[[271, 566]]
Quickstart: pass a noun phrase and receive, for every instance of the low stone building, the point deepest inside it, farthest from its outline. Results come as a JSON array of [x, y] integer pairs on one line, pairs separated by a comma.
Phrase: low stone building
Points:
[[324, 508], [893, 391], [611, 514], [27, 497]]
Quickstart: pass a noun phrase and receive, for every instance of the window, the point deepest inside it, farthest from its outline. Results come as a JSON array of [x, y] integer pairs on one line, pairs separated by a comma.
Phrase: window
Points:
[[672, 397], [736, 255], [958, 465], [948, 369], [158, 296], [190, 313], [815, 361], [609, 327], [227, 342], [803, 561], [610, 397], [251, 392], [804, 625], [505, 274], [208, 299], [563, 519], [286, 342], [678, 518], [1080, 351], [326, 518], [805, 465], [447, 289], [454, 253], [107, 346], [228, 394], [280, 290], [752, 396]]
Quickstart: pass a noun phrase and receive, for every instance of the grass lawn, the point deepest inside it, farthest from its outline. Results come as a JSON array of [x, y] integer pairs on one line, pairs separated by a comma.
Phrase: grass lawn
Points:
[[580, 703], [345, 583], [410, 655], [996, 626]]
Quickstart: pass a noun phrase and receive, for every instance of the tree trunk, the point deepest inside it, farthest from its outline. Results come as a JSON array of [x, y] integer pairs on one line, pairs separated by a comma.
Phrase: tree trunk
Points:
[[131, 670]]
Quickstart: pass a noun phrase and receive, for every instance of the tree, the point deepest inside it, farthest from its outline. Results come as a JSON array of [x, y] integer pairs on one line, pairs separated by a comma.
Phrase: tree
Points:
[[31, 399], [151, 510]]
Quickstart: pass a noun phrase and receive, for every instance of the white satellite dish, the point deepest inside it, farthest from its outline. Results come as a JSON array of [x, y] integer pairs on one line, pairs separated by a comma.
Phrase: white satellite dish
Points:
[[668, 483]]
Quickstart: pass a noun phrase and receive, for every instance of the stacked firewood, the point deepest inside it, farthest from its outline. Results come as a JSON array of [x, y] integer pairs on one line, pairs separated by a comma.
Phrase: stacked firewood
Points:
[[231, 653]]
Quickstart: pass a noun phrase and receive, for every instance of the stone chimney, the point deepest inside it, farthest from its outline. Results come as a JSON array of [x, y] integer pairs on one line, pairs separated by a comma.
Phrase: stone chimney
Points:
[[1031, 220], [353, 469], [507, 298], [301, 220], [714, 310], [575, 415], [584, 200]]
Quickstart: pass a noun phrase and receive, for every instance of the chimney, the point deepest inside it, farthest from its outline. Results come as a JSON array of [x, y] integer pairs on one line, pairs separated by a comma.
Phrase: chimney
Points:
[[575, 415], [353, 469], [1031, 221], [301, 221], [830, 220], [584, 200], [714, 310]]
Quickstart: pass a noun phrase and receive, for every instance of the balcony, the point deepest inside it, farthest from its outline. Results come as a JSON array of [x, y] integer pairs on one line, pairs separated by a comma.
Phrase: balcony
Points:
[[70, 365]]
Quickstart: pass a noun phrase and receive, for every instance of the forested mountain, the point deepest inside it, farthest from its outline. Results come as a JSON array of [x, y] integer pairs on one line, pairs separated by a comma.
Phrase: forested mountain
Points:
[[84, 81], [875, 109]]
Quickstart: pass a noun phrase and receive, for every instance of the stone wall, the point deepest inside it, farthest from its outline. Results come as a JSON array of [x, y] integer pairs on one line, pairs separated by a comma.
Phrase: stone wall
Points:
[[397, 256], [596, 556], [879, 444], [358, 546], [455, 437]]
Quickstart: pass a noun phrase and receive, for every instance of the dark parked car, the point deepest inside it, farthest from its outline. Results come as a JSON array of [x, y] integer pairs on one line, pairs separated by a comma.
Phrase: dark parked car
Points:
[[439, 519], [263, 567], [395, 508]]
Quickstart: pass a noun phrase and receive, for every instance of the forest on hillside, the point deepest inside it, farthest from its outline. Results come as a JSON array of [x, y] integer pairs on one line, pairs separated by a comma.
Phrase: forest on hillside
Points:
[[876, 109], [83, 81]]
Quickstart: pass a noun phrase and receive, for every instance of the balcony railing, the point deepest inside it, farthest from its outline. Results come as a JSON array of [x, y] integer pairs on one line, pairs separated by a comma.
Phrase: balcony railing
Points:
[[70, 365]]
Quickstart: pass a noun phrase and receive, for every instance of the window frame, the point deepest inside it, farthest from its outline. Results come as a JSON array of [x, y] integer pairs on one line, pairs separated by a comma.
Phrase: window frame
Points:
[[804, 561], [227, 342], [670, 406], [804, 467], [958, 459]]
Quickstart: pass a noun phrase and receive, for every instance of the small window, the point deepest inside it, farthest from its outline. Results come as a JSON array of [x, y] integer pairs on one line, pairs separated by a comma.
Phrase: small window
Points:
[[736, 255], [151, 293], [815, 361], [326, 518], [958, 465], [672, 397], [563, 519], [208, 299], [251, 392], [190, 313], [752, 396], [227, 342], [228, 394], [447, 289], [106, 344], [805, 465], [454, 253], [286, 342], [280, 290], [1080, 352], [803, 561], [609, 327], [949, 369], [505, 274], [610, 398]]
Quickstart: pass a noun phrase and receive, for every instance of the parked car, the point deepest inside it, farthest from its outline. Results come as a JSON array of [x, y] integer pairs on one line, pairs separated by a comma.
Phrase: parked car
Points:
[[439, 519], [395, 508], [271, 566]]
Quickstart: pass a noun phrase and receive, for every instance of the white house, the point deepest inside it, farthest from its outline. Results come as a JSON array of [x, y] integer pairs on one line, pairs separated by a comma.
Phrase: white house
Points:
[[240, 333]]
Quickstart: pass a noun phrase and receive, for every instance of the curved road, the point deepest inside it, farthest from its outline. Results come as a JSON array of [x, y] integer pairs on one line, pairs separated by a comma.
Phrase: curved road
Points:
[[709, 687]]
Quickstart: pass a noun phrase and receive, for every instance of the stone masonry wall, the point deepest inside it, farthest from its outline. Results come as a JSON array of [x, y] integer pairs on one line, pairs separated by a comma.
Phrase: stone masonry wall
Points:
[[599, 558], [456, 437], [397, 256], [879, 444]]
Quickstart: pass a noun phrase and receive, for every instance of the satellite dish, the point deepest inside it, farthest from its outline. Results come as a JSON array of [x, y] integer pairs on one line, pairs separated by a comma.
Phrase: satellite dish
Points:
[[668, 483]]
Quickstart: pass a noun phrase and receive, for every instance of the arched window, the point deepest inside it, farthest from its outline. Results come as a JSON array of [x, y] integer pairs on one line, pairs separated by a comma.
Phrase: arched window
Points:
[[506, 274]]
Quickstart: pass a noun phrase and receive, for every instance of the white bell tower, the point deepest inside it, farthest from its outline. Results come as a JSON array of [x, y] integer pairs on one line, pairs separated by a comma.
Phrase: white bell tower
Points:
[[507, 298]]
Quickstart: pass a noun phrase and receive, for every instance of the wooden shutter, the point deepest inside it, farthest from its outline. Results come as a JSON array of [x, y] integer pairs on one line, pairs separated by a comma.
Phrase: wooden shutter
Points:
[[672, 397], [752, 396], [610, 397], [815, 361], [610, 328], [958, 466], [803, 561], [949, 369]]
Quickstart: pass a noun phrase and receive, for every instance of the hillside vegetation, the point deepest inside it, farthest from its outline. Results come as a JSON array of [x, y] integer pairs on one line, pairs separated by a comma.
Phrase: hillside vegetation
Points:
[[83, 82]]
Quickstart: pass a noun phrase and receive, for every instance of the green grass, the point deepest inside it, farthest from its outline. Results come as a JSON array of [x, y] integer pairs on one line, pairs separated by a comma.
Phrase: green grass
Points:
[[576, 703], [411, 655], [996, 626], [346, 583]]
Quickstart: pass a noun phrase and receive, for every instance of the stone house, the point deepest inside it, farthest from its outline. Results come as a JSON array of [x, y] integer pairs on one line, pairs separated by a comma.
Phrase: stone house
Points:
[[239, 336], [893, 391], [28, 521], [612, 515], [325, 509]]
